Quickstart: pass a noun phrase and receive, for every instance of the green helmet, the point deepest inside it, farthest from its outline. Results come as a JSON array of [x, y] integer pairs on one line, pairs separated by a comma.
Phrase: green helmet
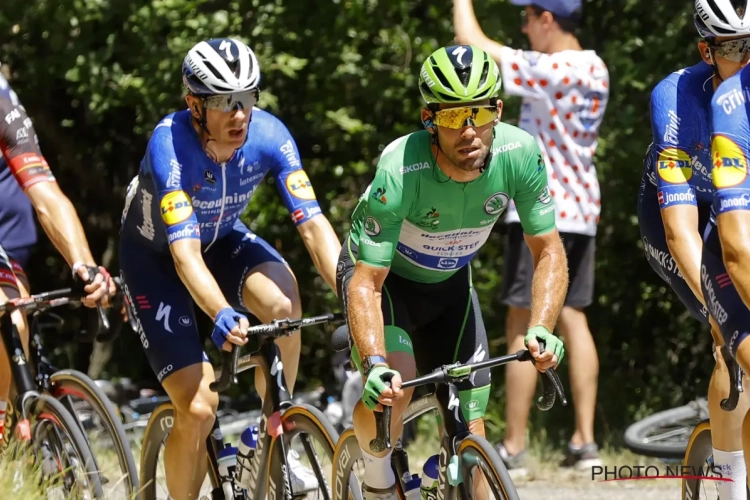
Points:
[[460, 73]]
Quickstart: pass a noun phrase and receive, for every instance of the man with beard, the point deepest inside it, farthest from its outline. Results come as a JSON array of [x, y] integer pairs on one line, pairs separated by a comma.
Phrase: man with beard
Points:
[[404, 275]]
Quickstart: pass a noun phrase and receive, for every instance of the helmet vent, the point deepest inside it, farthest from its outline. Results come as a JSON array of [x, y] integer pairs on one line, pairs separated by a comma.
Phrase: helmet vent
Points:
[[213, 70], [464, 75], [485, 72], [739, 7], [442, 77], [717, 11]]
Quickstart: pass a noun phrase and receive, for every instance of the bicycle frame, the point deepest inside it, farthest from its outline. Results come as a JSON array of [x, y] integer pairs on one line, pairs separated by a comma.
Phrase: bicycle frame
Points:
[[276, 398], [22, 377]]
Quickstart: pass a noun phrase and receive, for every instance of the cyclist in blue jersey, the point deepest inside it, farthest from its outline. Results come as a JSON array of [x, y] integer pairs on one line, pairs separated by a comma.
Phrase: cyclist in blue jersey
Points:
[[726, 257], [183, 242], [675, 198], [27, 185]]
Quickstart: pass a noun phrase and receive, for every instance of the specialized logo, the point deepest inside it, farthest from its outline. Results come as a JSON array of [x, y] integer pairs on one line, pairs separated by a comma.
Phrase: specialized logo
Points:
[[674, 166], [496, 204], [176, 207], [729, 162], [299, 185], [372, 226]]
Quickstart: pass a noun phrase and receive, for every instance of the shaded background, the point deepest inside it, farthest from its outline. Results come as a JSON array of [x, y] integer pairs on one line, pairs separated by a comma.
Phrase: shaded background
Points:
[[96, 76]]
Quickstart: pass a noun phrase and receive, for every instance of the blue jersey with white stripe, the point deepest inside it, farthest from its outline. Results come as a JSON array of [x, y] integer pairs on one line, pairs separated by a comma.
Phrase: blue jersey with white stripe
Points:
[[679, 160], [180, 192]]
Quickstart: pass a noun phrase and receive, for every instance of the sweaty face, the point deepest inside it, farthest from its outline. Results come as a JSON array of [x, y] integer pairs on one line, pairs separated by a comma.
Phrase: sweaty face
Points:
[[468, 146]]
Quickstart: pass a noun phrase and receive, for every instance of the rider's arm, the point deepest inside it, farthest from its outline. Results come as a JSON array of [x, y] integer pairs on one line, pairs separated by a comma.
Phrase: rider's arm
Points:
[[323, 245], [58, 217], [380, 228], [199, 281], [729, 149], [299, 197], [468, 31], [672, 169], [536, 209], [181, 224]]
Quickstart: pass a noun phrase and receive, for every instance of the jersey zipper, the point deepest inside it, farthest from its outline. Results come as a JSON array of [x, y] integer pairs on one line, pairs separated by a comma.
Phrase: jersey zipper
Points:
[[223, 202]]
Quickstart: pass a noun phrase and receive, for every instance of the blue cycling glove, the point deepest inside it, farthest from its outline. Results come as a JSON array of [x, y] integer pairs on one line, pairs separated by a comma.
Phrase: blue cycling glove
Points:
[[227, 319]]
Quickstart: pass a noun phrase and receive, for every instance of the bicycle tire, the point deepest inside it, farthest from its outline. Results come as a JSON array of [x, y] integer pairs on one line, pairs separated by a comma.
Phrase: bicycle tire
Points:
[[637, 433], [75, 383], [346, 453], [699, 449], [47, 408], [473, 446], [301, 418]]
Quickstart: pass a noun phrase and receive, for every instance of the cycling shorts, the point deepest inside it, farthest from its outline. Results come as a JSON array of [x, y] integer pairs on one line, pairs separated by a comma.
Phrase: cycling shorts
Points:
[[163, 306], [11, 269], [441, 323], [724, 303], [657, 252]]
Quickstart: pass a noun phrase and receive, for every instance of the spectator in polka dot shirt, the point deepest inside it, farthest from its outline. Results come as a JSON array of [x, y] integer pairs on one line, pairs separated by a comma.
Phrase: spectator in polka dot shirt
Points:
[[565, 90]]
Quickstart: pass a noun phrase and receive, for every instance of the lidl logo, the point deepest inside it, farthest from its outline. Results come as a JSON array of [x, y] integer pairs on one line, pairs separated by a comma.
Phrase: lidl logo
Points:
[[175, 207], [729, 163], [674, 166], [299, 185]]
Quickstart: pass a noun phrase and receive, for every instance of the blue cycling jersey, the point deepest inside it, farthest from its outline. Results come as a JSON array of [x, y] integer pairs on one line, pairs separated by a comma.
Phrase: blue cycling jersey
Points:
[[180, 192], [679, 160], [731, 144]]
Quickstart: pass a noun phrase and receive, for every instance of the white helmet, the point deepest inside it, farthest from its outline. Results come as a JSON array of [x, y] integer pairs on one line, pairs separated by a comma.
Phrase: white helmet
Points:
[[722, 17], [220, 66]]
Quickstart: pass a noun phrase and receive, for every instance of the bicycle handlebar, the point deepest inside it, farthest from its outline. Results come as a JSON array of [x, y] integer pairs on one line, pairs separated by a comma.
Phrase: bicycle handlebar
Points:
[[276, 328], [551, 388], [61, 297]]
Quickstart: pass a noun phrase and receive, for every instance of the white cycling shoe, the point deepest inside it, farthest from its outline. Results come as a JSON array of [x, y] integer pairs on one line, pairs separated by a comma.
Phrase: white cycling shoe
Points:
[[301, 478]]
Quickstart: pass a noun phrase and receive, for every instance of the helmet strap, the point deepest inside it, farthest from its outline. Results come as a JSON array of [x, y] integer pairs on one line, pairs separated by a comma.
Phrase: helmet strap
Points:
[[206, 136]]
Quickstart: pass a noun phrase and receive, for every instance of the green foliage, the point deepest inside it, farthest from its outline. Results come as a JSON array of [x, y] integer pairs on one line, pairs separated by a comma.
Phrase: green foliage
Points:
[[96, 75]]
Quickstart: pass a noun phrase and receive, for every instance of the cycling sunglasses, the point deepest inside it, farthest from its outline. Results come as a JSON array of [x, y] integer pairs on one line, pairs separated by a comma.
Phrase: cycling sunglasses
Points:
[[457, 118], [231, 102], [733, 50]]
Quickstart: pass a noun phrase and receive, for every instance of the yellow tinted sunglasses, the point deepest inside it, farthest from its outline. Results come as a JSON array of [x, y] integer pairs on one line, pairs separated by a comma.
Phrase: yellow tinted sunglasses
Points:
[[457, 118]]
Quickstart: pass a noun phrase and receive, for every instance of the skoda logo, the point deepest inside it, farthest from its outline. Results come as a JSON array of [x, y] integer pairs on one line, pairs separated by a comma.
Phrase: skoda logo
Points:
[[496, 204]]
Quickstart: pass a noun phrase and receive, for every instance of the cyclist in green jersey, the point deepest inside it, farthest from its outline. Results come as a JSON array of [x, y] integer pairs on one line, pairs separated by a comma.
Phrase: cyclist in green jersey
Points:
[[404, 273]]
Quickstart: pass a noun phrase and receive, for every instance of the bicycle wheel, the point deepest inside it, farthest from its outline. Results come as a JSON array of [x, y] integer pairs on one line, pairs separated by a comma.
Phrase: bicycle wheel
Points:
[[346, 455], [665, 434], [153, 476], [58, 439], [699, 458], [103, 427], [476, 455], [303, 424]]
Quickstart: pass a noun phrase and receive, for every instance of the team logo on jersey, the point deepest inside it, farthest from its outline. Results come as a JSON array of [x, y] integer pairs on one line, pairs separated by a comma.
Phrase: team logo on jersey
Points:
[[496, 204], [729, 162], [429, 220], [209, 176], [372, 226], [299, 185], [379, 195], [176, 207], [674, 166], [544, 196]]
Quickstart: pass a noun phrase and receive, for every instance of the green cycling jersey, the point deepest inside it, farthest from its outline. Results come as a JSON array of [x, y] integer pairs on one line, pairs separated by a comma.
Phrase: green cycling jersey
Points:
[[424, 226]]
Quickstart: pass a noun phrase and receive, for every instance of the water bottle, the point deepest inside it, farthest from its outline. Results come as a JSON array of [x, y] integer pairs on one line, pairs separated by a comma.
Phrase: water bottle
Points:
[[226, 460], [430, 478], [245, 454], [412, 488]]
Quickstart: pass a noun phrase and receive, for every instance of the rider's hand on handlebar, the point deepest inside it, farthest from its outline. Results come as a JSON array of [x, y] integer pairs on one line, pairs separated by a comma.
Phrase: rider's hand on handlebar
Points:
[[375, 390], [230, 327], [100, 289], [554, 351]]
